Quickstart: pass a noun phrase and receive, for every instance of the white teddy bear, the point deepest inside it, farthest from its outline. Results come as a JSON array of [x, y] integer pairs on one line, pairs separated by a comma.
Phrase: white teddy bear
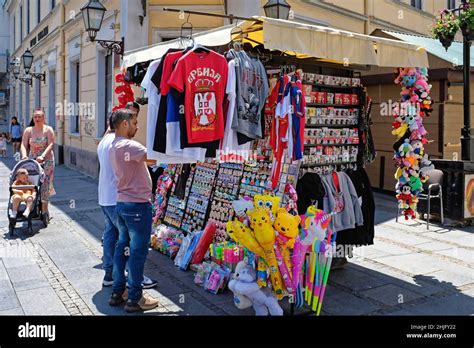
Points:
[[244, 286]]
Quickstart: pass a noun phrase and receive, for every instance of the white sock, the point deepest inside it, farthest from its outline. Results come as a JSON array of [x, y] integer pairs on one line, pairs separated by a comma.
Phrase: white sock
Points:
[[13, 214], [26, 212]]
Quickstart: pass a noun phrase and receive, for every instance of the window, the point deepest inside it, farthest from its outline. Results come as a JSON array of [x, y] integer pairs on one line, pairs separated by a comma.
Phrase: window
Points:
[[28, 16], [74, 89], [53, 4], [14, 33], [417, 4], [27, 105], [52, 99], [38, 7], [21, 23], [37, 94], [108, 88], [451, 4]]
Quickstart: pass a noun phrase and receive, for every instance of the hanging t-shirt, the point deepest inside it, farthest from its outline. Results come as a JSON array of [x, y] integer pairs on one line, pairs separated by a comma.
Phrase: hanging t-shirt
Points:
[[159, 142], [230, 148], [203, 75], [173, 139], [252, 90], [151, 92]]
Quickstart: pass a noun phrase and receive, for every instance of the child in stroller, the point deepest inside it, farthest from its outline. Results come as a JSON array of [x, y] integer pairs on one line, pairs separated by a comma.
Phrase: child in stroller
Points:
[[25, 194], [23, 191]]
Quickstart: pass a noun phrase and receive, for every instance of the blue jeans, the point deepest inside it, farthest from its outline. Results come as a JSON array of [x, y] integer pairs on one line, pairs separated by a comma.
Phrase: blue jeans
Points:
[[134, 225], [110, 237]]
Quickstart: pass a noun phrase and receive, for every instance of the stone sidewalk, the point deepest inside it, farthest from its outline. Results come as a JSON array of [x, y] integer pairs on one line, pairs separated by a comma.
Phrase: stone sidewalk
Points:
[[409, 270]]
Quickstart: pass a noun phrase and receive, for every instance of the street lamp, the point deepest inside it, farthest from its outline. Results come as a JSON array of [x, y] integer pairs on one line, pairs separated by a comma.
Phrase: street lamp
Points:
[[93, 15], [28, 62], [26, 79], [467, 143], [279, 9]]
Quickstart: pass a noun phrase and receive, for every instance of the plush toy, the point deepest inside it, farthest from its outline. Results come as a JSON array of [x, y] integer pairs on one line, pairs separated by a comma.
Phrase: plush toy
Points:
[[400, 131], [408, 80], [125, 92], [265, 236], [271, 203], [287, 227], [421, 129], [405, 197], [409, 212], [244, 283], [243, 235], [402, 175], [291, 206], [241, 301], [415, 184], [405, 148], [426, 165], [417, 147]]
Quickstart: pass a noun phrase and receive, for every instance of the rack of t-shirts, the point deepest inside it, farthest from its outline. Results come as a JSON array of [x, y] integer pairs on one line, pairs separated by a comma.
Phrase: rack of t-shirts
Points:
[[201, 101], [347, 193]]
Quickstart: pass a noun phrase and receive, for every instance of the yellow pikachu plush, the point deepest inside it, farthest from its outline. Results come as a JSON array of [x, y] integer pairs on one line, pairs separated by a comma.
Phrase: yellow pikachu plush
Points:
[[262, 227], [243, 235], [287, 225]]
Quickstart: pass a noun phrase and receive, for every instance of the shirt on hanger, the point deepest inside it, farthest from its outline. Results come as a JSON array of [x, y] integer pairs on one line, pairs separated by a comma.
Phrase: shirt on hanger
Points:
[[151, 92], [203, 76]]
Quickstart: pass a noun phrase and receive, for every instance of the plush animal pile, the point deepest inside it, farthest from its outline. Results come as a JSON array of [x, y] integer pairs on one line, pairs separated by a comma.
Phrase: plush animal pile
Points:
[[411, 161]]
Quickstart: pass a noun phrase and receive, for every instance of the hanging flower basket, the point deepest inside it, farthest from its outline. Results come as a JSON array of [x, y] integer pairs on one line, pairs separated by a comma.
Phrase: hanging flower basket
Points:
[[446, 41], [466, 22], [445, 28]]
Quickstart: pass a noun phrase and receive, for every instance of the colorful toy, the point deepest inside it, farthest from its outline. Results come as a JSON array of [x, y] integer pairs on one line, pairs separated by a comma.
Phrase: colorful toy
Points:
[[244, 284], [271, 203], [287, 227], [265, 236], [243, 235]]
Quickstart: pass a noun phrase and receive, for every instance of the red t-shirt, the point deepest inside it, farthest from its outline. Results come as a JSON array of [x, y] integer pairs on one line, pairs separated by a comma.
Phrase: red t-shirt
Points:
[[167, 70], [203, 77]]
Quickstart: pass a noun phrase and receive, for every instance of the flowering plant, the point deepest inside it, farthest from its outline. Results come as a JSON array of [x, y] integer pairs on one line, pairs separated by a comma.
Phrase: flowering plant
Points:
[[466, 17], [446, 25]]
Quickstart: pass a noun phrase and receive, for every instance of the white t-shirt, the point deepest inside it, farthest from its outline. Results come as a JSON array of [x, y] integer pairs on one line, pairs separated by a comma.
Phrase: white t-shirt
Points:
[[152, 111], [107, 179]]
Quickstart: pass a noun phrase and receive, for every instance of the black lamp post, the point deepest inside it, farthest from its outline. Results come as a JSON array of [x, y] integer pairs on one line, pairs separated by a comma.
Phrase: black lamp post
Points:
[[279, 9], [467, 142], [28, 62], [93, 15]]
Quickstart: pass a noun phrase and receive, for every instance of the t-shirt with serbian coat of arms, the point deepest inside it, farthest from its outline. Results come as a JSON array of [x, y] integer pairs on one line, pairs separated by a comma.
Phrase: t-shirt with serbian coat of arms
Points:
[[203, 77]]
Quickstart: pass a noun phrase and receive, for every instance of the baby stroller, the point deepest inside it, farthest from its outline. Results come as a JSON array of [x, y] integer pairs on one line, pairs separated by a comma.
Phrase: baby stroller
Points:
[[36, 177]]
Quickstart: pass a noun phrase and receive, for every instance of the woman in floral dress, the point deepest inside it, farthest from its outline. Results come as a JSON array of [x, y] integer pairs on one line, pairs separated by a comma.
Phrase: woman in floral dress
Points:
[[37, 143]]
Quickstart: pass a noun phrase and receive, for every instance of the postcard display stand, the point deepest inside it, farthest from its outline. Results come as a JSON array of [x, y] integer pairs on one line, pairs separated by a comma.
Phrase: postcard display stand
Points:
[[333, 118]]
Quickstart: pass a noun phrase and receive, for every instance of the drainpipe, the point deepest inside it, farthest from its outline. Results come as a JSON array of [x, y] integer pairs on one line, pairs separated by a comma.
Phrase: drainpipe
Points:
[[62, 72]]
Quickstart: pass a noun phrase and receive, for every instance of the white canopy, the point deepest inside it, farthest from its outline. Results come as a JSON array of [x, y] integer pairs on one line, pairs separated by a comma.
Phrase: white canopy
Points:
[[302, 41]]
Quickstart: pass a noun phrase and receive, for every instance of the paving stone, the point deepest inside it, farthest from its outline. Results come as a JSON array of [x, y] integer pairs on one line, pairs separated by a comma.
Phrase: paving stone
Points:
[[13, 311], [412, 263], [83, 280], [434, 246], [6, 288], [455, 304], [400, 236], [42, 301], [355, 280], [25, 273], [462, 254], [31, 284], [391, 295], [9, 301], [338, 302], [455, 279]]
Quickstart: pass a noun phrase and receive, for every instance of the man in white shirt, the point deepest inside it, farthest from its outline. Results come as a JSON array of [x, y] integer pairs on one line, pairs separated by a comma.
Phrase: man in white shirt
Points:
[[107, 201]]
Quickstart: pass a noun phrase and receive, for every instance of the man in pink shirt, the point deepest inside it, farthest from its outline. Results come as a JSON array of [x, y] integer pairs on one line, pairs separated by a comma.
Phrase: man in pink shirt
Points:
[[134, 213]]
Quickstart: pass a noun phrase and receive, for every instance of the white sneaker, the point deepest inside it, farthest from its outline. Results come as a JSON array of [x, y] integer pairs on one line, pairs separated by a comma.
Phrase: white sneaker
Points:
[[26, 212]]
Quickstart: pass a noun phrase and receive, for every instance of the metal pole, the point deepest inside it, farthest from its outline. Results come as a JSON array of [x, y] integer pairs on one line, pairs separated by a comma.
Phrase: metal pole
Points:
[[466, 139], [467, 143]]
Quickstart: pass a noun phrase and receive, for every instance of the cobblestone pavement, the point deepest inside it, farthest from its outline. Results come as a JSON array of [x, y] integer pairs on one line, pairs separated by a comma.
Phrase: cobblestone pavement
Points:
[[57, 271]]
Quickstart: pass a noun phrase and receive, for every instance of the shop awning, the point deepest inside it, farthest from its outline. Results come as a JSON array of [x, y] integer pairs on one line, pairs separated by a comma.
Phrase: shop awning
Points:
[[433, 46], [302, 41]]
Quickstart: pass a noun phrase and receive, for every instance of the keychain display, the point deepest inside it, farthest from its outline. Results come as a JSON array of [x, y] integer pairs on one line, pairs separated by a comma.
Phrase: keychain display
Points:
[[327, 116], [199, 196], [256, 178], [176, 206], [225, 192]]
